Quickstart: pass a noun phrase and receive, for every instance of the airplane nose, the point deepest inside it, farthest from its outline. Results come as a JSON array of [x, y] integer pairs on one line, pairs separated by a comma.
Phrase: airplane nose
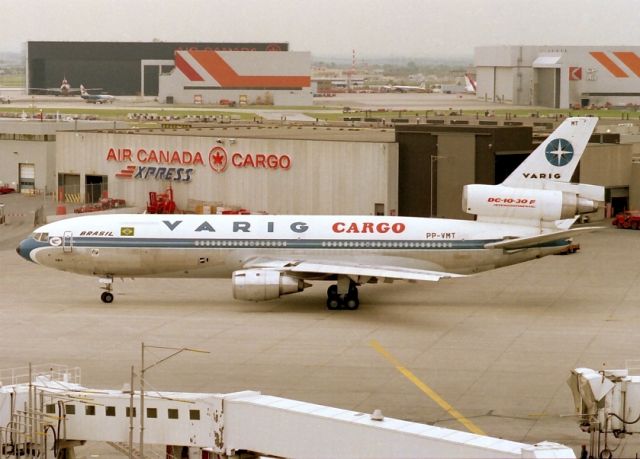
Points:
[[24, 249]]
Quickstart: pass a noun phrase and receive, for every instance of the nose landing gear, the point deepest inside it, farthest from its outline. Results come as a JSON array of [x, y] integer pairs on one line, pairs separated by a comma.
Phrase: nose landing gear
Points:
[[342, 301]]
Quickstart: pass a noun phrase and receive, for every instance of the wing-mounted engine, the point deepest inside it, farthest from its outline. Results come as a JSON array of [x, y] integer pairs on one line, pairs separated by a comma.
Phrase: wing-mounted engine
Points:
[[556, 201], [264, 284]]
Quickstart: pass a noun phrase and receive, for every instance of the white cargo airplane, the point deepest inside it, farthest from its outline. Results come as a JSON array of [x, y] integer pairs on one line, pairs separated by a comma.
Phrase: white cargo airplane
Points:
[[528, 216], [406, 88]]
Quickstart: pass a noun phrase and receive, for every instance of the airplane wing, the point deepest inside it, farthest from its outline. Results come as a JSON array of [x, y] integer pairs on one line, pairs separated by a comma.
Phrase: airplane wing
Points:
[[358, 272], [533, 241]]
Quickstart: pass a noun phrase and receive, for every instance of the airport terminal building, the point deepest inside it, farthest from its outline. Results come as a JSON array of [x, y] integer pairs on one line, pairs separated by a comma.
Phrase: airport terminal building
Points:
[[559, 76]]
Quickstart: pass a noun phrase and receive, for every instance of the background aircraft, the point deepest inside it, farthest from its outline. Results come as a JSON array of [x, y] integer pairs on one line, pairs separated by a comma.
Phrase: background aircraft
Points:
[[526, 217], [406, 88], [95, 98], [470, 84], [65, 89]]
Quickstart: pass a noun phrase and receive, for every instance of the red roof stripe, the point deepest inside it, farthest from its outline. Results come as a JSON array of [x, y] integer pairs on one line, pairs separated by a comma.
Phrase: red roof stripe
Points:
[[222, 72], [611, 66], [186, 69], [630, 59]]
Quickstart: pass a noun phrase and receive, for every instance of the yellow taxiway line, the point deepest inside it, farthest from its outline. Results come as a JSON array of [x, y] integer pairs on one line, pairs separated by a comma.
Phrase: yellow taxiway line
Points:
[[433, 395]]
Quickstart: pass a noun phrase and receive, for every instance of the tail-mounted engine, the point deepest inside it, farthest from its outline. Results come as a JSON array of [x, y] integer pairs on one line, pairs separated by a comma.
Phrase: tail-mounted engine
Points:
[[264, 284], [498, 201]]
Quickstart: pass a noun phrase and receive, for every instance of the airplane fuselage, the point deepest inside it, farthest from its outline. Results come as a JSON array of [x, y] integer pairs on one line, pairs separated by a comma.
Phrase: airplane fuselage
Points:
[[217, 245]]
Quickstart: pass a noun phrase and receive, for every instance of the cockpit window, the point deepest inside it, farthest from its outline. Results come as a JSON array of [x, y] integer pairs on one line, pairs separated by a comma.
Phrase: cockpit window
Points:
[[41, 236]]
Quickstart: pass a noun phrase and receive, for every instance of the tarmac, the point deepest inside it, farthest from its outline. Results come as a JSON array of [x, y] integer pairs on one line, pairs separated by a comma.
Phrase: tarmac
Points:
[[498, 346]]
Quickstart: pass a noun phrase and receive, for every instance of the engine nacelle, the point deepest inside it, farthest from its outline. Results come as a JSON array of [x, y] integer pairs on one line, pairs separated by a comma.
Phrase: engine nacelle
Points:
[[524, 203], [264, 284]]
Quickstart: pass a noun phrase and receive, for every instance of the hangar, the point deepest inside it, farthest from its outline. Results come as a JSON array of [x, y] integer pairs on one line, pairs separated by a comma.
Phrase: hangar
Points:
[[414, 170], [121, 68], [238, 77], [559, 76], [410, 169]]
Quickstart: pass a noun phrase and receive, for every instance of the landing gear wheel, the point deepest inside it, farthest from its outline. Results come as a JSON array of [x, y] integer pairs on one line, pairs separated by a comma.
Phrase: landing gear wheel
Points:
[[351, 302], [334, 301], [106, 297]]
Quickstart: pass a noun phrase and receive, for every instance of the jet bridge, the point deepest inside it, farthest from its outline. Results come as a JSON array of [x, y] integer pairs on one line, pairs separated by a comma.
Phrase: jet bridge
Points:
[[55, 410], [607, 403]]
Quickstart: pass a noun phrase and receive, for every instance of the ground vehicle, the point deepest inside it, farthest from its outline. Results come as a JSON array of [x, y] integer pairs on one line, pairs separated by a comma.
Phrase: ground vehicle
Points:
[[4, 100], [627, 219]]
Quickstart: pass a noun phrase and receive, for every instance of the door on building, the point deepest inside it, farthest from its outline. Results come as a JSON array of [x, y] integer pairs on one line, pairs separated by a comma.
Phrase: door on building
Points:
[[69, 188], [27, 177], [547, 87], [96, 187], [617, 199]]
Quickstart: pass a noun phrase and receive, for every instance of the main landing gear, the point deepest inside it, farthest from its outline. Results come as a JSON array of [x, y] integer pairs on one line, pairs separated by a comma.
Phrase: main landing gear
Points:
[[107, 296], [341, 301]]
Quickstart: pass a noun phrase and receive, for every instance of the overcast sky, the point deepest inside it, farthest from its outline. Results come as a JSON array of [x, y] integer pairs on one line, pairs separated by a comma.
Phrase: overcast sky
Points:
[[374, 28]]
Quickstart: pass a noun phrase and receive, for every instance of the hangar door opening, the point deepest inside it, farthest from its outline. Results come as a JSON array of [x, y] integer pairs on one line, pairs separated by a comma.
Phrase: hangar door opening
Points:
[[546, 88], [616, 200], [69, 188], [95, 188], [27, 177]]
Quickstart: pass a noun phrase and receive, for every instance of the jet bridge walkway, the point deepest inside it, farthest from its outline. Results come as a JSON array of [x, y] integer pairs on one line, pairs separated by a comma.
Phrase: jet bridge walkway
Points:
[[58, 411]]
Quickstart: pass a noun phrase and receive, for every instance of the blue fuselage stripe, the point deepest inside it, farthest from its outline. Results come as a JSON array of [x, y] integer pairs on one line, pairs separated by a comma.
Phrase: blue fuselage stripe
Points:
[[370, 244]]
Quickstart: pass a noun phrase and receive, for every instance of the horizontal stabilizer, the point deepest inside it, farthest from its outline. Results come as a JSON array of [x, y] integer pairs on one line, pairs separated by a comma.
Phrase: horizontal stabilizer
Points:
[[533, 241]]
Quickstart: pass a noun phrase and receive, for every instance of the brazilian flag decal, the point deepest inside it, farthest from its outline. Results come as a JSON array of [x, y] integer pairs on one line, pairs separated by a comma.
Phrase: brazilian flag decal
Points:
[[127, 231]]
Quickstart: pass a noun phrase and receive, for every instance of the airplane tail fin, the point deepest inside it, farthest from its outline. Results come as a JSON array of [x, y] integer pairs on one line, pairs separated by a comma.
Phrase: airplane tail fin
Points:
[[539, 192], [557, 157], [83, 90], [470, 83]]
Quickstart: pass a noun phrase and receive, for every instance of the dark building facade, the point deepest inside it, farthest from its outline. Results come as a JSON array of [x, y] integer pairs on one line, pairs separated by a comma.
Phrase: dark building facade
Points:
[[114, 66], [436, 161]]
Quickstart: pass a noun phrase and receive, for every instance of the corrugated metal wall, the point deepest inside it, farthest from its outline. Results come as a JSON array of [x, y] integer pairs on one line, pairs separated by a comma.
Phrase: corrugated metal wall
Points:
[[325, 177]]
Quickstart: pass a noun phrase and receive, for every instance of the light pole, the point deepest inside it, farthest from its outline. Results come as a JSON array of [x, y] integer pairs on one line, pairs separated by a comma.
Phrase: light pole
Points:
[[434, 160], [177, 350]]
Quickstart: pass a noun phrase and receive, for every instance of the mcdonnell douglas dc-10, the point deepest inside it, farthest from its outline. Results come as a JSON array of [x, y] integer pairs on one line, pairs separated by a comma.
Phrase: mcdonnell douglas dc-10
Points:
[[528, 216]]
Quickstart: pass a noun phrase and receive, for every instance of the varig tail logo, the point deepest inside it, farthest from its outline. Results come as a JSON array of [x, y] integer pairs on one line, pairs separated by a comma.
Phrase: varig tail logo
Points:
[[218, 159], [559, 152]]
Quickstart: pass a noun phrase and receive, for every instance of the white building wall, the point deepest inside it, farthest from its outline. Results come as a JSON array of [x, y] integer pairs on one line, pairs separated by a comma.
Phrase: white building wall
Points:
[[602, 74], [324, 177], [39, 153], [178, 87]]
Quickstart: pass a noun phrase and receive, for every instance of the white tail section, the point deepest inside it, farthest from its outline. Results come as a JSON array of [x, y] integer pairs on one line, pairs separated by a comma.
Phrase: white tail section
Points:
[[470, 84], [539, 192], [557, 157], [83, 91]]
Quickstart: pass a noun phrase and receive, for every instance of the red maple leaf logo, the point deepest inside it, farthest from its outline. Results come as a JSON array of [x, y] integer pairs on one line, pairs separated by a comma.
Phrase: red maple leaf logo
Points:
[[218, 159]]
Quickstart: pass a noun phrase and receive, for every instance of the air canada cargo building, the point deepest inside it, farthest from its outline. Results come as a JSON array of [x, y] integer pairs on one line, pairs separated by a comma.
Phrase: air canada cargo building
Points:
[[412, 170], [276, 175]]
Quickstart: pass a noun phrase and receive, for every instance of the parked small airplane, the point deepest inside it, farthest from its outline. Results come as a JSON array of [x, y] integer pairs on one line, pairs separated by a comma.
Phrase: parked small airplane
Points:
[[406, 88], [528, 216], [95, 98]]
